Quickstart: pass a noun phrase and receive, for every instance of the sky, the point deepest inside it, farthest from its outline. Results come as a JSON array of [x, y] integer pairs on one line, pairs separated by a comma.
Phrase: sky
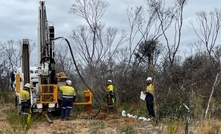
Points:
[[19, 18]]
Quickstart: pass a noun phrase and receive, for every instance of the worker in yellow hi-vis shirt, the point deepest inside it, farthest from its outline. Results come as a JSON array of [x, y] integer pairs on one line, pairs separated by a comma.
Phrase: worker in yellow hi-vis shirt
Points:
[[25, 99], [150, 97], [68, 98], [110, 95], [26, 102]]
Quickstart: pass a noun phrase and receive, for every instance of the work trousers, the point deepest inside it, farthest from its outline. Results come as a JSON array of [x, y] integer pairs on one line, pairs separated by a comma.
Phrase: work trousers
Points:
[[150, 104], [66, 107], [110, 98], [110, 101], [25, 105]]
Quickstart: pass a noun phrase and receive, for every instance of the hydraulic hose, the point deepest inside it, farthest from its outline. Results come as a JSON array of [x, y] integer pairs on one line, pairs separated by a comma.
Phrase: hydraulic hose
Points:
[[78, 71]]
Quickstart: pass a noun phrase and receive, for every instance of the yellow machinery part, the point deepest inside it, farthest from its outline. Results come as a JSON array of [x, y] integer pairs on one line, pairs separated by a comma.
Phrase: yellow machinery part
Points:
[[88, 97], [48, 93], [18, 80], [61, 74]]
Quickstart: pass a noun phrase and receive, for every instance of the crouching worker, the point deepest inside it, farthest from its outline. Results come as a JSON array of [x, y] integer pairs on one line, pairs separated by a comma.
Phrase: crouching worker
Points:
[[25, 99], [68, 98]]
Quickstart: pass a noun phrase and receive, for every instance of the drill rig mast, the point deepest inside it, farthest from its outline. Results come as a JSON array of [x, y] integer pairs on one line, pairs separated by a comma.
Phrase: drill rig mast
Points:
[[46, 48], [46, 97]]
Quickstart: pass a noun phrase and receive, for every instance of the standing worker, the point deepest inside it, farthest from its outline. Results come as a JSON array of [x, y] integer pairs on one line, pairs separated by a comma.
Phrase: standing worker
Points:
[[150, 97], [68, 98], [110, 95], [25, 99], [12, 80]]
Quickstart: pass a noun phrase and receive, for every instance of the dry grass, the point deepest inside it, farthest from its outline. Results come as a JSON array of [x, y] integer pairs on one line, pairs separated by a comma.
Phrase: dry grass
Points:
[[103, 124], [210, 126]]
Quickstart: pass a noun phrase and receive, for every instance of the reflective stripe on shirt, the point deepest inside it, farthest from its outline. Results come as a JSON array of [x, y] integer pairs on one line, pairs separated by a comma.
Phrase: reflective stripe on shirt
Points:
[[65, 96]]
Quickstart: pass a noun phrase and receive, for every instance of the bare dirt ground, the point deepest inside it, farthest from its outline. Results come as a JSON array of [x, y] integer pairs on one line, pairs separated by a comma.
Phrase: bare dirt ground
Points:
[[104, 123]]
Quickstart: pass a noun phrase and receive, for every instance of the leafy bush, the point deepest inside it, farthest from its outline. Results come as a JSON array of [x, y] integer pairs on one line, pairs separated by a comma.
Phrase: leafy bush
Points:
[[171, 107]]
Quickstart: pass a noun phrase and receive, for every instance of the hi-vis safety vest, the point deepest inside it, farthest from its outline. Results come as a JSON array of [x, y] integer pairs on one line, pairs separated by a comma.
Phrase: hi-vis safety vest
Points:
[[110, 88], [67, 91], [150, 89]]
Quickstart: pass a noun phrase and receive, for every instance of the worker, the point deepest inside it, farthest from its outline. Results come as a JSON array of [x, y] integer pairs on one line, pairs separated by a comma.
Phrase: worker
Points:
[[68, 98], [110, 95], [12, 80], [150, 97], [25, 99]]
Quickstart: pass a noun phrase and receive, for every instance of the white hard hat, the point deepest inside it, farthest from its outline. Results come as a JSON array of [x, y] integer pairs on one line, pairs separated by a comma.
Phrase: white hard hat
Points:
[[149, 79], [109, 81], [68, 82], [27, 85]]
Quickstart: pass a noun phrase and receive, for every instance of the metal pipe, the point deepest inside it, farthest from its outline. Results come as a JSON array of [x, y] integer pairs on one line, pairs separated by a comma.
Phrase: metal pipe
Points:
[[48, 119]]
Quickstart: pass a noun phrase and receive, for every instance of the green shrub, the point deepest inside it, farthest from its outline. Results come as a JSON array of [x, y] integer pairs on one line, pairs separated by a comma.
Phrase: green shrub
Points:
[[171, 107]]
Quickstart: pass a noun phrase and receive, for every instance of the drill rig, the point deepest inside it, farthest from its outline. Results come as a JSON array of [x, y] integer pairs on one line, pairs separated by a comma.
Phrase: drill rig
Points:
[[44, 94]]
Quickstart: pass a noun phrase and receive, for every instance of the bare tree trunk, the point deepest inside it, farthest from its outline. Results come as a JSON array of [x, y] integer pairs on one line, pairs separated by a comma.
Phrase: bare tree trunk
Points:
[[211, 94]]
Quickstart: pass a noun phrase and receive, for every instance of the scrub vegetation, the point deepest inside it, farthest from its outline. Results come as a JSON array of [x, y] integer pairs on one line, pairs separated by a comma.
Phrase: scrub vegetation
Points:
[[187, 88]]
